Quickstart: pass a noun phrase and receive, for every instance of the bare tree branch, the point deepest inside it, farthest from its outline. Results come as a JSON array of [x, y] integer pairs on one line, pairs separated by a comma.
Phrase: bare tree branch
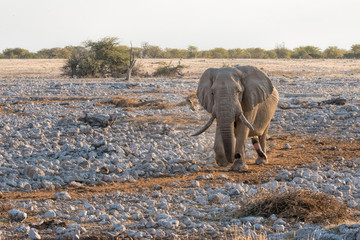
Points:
[[132, 62]]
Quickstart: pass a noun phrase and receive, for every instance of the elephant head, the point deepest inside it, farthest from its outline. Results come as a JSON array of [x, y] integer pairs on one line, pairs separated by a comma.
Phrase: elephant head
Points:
[[227, 93]]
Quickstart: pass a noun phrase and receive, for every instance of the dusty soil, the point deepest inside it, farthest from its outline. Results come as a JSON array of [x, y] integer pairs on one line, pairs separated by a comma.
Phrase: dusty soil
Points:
[[304, 150], [280, 159]]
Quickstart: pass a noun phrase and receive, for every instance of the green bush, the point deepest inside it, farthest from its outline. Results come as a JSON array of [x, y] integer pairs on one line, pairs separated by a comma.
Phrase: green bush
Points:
[[192, 52], [175, 53], [269, 54], [354, 52], [256, 52], [150, 51], [214, 53], [78, 64], [306, 52], [238, 53], [54, 53], [218, 53], [17, 53], [333, 52], [103, 58], [281, 51]]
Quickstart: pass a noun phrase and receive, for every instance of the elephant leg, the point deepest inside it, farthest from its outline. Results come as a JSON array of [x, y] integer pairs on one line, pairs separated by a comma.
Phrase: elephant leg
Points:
[[241, 133], [261, 149], [220, 157]]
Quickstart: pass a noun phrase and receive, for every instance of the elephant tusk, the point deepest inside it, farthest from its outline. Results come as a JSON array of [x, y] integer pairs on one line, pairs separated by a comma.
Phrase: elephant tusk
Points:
[[206, 126], [245, 121]]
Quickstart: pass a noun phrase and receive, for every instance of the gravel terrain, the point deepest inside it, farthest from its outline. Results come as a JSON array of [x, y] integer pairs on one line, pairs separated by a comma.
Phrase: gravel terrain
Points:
[[74, 165]]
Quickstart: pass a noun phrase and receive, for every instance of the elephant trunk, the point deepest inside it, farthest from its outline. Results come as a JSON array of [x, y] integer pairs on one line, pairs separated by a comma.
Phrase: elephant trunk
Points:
[[226, 118], [227, 135]]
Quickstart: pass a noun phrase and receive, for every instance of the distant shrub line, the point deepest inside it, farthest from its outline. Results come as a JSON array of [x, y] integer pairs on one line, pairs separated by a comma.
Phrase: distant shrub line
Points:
[[151, 51], [107, 58]]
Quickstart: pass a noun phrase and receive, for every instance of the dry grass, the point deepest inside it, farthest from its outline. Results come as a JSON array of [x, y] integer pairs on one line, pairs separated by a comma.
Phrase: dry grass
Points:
[[302, 205], [191, 100], [4, 210], [274, 67], [167, 70], [130, 103], [45, 68]]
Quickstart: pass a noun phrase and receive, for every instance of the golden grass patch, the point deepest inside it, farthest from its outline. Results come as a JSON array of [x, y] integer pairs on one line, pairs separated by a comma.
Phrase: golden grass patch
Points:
[[130, 103], [302, 205]]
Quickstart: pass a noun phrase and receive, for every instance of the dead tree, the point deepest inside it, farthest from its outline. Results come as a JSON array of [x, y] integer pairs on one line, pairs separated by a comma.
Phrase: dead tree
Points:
[[132, 62]]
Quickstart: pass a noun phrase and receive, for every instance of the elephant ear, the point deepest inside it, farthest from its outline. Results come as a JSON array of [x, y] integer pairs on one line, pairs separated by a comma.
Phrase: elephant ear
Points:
[[204, 92], [257, 87]]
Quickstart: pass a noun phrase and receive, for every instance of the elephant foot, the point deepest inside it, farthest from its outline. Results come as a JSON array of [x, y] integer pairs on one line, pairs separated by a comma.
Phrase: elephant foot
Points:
[[261, 161], [258, 149], [222, 162], [239, 167], [239, 164]]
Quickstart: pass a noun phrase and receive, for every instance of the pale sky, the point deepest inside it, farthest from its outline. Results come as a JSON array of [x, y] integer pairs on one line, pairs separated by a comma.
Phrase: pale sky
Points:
[[206, 24]]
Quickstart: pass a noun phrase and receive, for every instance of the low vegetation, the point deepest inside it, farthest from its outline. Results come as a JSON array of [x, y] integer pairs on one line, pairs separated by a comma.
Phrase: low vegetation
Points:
[[191, 100], [150, 51], [129, 104], [168, 70], [107, 58], [301, 205], [104, 58]]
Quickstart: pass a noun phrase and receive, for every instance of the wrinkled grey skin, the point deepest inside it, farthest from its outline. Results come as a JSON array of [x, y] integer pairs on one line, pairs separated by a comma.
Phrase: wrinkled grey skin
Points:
[[243, 100]]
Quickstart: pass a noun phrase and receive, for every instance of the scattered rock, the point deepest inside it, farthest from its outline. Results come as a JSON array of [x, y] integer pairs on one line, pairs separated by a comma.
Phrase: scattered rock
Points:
[[49, 147], [279, 228], [62, 196], [50, 214], [194, 183], [33, 234], [119, 228], [334, 101], [205, 177], [287, 146], [17, 215], [98, 120]]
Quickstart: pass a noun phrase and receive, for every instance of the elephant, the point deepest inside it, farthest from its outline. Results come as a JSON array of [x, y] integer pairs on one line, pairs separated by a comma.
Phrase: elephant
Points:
[[243, 100]]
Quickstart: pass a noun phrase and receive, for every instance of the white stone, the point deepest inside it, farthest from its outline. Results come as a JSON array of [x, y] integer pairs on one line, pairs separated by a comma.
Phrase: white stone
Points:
[[280, 222], [50, 214], [194, 183], [273, 217], [278, 228], [17, 215], [23, 228], [119, 228], [252, 219], [168, 223], [287, 146], [83, 213], [33, 234], [62, 196]]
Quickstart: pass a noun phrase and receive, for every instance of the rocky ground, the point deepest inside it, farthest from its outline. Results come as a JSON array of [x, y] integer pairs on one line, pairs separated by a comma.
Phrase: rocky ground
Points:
[[105, 158]]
